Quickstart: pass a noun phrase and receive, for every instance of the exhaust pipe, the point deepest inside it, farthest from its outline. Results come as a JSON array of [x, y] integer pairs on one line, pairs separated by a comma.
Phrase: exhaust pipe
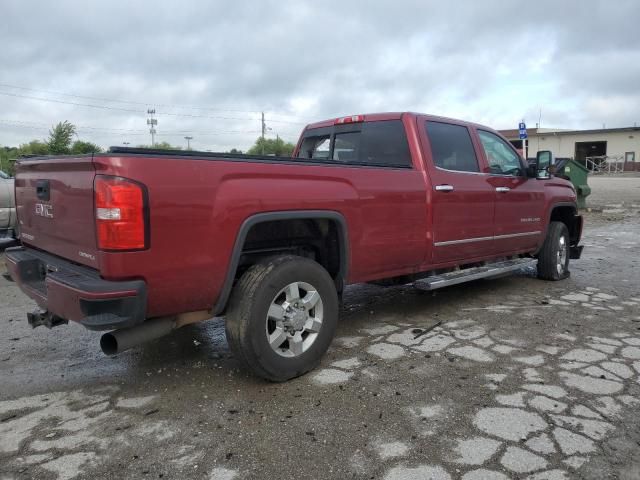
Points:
[[118, 341]]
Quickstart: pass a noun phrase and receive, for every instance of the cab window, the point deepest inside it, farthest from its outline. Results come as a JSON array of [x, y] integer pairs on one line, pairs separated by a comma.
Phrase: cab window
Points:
[[501, 158], [315, 147], [377, 144], [451, 147]]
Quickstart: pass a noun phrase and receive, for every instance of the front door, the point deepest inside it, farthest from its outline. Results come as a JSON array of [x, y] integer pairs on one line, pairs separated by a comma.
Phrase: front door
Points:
[[461, 197], [519, 206]]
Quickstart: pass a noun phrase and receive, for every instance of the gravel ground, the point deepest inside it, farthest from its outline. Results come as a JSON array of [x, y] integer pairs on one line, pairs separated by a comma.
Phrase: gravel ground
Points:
[[523, 379]]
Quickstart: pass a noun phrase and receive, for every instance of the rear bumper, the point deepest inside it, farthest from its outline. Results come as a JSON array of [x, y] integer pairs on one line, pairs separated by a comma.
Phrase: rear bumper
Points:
[[77, 293]]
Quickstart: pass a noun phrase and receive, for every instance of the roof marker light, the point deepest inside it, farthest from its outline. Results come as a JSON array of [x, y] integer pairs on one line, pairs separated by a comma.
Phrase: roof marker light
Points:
[[349, 119]]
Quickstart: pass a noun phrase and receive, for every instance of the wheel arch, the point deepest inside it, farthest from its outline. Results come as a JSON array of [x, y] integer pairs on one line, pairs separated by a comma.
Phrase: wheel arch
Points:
[[266, 217], [567, 213]]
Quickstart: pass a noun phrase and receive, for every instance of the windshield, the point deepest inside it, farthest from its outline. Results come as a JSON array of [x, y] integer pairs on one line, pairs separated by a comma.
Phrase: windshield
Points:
[[3, 175]]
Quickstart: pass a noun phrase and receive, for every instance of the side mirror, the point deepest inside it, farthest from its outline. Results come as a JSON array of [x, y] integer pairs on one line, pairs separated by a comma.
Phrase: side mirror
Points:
[[544, 161]]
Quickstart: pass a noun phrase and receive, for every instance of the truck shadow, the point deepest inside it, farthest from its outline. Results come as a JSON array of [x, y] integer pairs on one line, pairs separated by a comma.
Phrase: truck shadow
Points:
[[363, 305]]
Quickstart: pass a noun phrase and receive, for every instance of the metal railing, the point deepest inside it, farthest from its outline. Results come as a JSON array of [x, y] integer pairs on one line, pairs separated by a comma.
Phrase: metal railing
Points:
[[605, 164]]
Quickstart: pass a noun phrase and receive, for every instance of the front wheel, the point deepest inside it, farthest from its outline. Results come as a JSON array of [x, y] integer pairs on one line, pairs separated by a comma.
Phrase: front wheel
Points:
[[553, 259], [282, 317]]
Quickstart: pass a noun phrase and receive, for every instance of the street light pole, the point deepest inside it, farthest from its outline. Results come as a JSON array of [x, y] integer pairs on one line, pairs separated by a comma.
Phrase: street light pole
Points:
[[188, 139]]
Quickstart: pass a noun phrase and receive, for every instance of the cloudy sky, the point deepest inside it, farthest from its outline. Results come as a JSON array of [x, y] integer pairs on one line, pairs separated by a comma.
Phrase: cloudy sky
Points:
[[209, 67]]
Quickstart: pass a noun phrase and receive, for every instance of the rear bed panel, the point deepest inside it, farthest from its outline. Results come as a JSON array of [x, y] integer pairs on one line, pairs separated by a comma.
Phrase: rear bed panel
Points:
[[60, 220]]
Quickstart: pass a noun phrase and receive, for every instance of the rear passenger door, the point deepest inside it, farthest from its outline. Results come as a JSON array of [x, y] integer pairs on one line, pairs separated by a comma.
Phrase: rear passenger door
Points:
[[461, 200]]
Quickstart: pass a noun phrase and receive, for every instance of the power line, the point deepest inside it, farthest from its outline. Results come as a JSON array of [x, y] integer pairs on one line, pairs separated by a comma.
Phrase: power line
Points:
[[43, 126], [130, 102], [107, 107]]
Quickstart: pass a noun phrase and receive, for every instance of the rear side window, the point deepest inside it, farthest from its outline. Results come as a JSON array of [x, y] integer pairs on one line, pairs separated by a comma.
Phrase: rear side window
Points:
[[346, 147], [385, 143], [451, 147], [382, 143], [315, 147]]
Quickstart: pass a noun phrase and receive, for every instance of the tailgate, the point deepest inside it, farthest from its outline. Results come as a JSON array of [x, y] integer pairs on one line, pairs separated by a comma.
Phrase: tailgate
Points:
[[55, 204]]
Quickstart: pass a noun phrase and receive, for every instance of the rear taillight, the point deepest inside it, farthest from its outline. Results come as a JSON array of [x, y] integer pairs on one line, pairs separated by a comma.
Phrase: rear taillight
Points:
[[120, 214]]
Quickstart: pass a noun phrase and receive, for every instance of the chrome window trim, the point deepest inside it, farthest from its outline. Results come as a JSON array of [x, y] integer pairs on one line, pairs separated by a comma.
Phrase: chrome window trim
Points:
[[460, 171], [484, 239]]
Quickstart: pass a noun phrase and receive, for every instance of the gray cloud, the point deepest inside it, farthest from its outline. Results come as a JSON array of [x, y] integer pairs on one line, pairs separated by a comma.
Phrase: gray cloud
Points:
[[491, 61]]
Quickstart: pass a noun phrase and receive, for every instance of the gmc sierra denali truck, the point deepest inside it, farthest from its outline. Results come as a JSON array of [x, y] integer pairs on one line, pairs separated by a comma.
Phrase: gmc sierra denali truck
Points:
[[139, 242]]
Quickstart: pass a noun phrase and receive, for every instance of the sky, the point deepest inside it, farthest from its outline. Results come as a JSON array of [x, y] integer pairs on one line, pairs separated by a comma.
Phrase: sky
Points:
[[209, 68]]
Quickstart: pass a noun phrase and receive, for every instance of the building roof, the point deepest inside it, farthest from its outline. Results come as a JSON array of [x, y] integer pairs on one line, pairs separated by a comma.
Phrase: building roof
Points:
[[513, 134]]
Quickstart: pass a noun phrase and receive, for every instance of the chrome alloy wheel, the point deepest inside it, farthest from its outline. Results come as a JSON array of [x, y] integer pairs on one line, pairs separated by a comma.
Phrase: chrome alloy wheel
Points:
[[294, 319], [561, 257]]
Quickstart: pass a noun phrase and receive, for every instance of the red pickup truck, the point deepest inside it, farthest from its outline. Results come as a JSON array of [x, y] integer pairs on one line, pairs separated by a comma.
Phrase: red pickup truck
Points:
[[139, 242]]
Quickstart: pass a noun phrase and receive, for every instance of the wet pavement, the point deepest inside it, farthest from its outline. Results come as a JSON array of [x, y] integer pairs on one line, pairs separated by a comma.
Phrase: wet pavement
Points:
[[522, 379]]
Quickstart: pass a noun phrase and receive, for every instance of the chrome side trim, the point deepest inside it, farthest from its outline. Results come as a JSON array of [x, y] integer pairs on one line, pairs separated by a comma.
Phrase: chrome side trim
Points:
[[484, 239], [465, 240], [513, 235]]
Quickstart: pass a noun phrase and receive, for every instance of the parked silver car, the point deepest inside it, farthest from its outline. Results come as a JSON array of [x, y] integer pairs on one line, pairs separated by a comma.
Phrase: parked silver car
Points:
[[7, 207]]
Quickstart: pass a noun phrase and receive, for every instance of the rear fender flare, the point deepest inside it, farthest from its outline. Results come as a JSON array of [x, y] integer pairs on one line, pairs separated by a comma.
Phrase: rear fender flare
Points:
[[253, 220]]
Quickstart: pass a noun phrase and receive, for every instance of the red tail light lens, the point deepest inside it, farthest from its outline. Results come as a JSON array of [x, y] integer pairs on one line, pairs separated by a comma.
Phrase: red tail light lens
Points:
[[120, 214]]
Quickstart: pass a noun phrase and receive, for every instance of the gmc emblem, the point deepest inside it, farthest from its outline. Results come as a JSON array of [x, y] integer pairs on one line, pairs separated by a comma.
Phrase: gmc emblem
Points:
[[44, 210]]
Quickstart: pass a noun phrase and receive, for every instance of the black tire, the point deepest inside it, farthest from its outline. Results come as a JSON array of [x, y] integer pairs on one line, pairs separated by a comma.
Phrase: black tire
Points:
[[246, 319], [552, 263]]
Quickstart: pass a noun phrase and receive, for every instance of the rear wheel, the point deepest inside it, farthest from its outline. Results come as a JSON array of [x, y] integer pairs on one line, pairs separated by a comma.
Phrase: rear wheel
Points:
[[553, 259], [282, 316]]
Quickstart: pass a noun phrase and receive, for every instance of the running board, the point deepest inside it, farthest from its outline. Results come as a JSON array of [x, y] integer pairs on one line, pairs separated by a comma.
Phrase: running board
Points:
[[474, 273]]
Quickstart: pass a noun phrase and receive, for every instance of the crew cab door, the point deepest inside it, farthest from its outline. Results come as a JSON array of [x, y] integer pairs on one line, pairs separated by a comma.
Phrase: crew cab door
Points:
[[461, 198], [519, 207]]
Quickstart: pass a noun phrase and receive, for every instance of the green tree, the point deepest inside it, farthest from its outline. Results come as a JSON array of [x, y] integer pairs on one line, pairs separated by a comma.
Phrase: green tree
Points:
[[60, 138], [34, 147], [8, 157], [235, 151], [79, 147], [161, 146], [272, 146]]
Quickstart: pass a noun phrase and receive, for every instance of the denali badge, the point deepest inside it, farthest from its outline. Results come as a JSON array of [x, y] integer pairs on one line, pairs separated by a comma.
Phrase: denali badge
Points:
[[44, 210], [87, 255]]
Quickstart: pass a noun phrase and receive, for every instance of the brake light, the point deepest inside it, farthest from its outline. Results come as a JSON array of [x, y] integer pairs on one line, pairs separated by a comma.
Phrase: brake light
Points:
[[120, 214], [350, 119]]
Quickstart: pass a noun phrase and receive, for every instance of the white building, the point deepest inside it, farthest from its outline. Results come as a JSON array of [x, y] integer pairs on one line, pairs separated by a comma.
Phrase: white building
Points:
[[620, 145]]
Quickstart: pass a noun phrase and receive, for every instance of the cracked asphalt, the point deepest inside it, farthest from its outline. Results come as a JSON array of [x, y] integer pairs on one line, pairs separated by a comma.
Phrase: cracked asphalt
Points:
[[522, 379]]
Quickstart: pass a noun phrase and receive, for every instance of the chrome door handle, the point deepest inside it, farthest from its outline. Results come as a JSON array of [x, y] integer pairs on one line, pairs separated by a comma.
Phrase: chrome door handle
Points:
[[444, 188], [502, 189]]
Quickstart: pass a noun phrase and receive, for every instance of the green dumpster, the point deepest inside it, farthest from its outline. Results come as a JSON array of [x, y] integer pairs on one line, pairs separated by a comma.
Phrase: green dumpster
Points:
[[577, 174]]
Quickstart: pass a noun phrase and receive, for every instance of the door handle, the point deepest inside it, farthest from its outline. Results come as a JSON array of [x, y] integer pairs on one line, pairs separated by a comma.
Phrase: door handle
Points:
[[444, 188], [503, 189]]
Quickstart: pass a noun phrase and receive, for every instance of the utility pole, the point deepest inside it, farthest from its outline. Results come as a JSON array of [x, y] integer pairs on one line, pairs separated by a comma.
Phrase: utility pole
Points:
[[188, 139], [152, 122], [264, 128], [125, 143]]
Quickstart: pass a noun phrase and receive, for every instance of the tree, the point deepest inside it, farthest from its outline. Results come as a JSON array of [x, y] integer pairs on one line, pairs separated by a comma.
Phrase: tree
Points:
[[8, 157], [34, 147], [161, 146], [60, 138], [272, 146], [79, 147], [235, 151]]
